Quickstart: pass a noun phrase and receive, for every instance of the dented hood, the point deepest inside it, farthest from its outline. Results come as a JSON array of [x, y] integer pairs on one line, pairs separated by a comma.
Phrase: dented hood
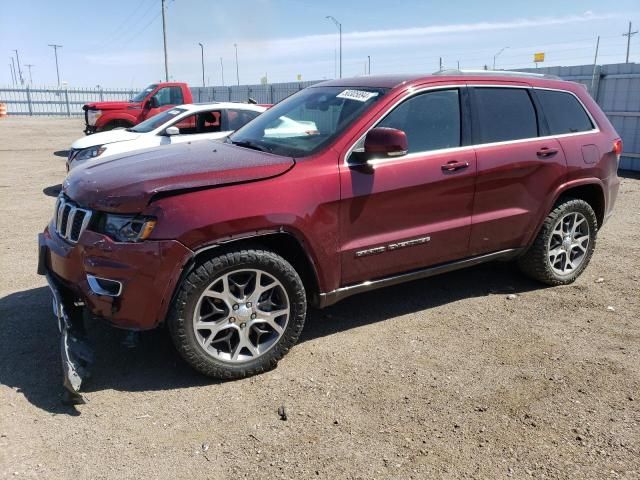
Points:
[[126, 183]]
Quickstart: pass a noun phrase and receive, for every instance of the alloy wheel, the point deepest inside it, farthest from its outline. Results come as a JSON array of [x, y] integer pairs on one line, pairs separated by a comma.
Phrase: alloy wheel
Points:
[[568, 244], [241, 315]]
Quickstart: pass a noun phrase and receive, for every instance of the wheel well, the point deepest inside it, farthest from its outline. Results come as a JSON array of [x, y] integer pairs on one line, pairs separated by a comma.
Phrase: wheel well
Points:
[[592, 194], [117, 123], [283, 244]]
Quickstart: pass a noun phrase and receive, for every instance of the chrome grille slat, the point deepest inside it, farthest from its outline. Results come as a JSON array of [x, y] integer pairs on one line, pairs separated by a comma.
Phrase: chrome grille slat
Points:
[[64, 219]]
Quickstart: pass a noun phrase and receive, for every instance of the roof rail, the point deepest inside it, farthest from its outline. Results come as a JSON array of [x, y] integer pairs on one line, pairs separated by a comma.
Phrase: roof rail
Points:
[[506, 73]]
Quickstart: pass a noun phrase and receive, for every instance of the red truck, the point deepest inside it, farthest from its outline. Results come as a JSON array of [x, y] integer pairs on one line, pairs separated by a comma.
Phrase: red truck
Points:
[[347, 186], [101, 116]]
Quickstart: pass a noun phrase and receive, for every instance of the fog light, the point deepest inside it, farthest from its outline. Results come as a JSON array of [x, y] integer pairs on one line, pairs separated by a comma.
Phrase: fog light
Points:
[[104, 286]]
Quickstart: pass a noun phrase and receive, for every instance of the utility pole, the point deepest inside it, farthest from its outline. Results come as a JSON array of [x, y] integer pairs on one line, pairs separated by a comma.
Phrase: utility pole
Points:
[[29, 65], [369, 60], [55, 51], [440, 68], [496, 56], [458, 65], [202, 57], [339, 25], [629, 34], [237, 71], [222, 71], [164, 36], [20, 69], [593, 75]]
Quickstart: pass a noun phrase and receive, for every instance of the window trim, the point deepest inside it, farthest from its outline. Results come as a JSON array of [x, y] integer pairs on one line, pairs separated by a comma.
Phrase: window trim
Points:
[[463, 88]]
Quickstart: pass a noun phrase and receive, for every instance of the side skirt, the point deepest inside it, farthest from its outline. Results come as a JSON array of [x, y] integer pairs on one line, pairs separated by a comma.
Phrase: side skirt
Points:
[[329, 298]]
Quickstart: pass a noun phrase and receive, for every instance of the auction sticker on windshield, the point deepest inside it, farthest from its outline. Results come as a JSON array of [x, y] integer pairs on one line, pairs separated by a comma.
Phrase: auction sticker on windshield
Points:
[[359, 95]]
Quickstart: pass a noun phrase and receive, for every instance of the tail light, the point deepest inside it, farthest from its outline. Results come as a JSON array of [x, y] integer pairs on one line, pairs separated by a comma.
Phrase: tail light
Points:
[[617, 147]]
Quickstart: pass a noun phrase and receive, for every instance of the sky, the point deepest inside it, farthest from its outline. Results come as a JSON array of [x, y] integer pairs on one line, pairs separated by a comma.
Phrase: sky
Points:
[[118, 43]]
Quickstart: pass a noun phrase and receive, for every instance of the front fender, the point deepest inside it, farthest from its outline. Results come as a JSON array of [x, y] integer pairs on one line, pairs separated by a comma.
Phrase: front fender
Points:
[[108, 117]]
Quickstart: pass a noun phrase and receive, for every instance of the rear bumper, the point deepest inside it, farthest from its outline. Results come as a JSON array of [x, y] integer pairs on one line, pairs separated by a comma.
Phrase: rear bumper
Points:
[[147, 272]]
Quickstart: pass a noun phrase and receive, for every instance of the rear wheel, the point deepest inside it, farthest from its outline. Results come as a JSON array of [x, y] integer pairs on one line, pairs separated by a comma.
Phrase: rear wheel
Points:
[[564, 245], [238, 314]]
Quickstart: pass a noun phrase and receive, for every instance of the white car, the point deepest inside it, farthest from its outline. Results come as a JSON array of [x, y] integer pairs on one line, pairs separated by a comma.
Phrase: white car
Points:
[[212, 121]]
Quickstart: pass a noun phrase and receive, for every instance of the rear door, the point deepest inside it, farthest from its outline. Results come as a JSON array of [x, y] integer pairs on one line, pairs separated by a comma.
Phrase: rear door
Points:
[[519, 166], [411, 211]]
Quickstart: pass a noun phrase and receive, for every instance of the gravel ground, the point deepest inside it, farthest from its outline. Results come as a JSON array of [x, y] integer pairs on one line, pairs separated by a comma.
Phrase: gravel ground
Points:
[[441, 378]]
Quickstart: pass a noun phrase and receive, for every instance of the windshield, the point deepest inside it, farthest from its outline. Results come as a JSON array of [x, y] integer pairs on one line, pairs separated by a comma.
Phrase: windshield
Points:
[[307, 121], [157, 120], [143, 94]]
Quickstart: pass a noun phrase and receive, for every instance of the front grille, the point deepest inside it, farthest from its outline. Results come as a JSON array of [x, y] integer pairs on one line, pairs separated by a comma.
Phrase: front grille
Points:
[[70, 220]]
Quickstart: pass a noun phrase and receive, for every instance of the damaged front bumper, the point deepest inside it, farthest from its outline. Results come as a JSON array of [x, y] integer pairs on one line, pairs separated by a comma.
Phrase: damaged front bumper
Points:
[[76, 353]]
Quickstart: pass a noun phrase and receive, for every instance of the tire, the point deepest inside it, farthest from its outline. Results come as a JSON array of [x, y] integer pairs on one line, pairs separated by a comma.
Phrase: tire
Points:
[[549, 259], [214, 289]]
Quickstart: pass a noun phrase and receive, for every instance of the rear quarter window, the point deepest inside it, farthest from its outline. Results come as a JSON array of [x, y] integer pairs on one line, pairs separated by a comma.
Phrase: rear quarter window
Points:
[[563, 112]]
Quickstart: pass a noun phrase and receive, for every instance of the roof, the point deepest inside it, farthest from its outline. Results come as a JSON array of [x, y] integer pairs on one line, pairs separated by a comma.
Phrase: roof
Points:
[[392, 81]]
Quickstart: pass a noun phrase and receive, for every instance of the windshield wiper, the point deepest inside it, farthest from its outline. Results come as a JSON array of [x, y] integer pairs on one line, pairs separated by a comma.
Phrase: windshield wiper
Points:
[[250, 144]]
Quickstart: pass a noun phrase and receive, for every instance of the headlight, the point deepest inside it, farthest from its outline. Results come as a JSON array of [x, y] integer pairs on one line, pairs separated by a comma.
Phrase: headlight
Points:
[[89, 153], [92, 116], [127, 228]]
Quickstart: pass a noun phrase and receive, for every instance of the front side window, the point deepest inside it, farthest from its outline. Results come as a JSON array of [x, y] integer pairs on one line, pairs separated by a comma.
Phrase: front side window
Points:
[[157, 120], [307, 121], [504, 114], [140, 96], [169, 96], [430, 120], [563, 112]]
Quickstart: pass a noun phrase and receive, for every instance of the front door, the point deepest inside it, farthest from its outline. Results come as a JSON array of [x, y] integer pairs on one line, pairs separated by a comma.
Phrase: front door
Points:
[[166, 97], [411, 211]]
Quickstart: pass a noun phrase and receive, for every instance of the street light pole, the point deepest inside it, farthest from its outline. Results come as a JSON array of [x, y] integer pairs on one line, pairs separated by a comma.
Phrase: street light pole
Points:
[[55, 51], [339, 25], [222, 71], [496, 56], [369, 60], [237, 71], [20, 69], [13, 75], [202, 58], [164, 36]]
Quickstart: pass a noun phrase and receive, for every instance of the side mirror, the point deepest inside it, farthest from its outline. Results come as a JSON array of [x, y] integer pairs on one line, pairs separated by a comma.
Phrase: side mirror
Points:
[[152, 103], [380, 142], [169, 131]]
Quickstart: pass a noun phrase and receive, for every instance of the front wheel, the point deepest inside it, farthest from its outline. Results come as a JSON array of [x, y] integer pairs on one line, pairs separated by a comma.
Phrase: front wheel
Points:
[[239, 313], [564, 245]]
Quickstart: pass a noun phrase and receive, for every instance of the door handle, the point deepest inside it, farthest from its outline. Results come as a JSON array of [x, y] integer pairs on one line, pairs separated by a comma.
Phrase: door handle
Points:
[[545, 152], [454, 166]]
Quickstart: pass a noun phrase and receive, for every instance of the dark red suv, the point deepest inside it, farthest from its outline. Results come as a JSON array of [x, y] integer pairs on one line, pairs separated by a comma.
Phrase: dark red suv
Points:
[[346, 186]]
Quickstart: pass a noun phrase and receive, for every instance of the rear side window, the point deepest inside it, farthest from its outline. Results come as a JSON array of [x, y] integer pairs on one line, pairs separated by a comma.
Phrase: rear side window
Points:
[[563, 112], [431, 120], [504, 114]]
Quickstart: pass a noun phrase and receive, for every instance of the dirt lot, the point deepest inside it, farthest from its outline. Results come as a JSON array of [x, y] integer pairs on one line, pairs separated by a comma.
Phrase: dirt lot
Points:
[[442, 378]]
